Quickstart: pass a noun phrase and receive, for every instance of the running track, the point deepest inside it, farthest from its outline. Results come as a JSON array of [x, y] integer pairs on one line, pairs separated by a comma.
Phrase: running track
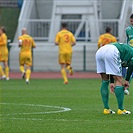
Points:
[[54, 75]]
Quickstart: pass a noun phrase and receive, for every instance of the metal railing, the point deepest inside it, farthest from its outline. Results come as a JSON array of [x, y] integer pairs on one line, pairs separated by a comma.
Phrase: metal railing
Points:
[[45, 57], [39, 28], [8, 3]]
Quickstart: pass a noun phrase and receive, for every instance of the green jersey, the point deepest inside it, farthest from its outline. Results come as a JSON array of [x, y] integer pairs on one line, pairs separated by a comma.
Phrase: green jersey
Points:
[[126, 56], [126, 52], [129, 34]]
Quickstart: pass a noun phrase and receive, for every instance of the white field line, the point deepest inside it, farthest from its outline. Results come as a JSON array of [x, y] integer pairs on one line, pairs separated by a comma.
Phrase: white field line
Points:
[[62, 109], [59, 120], [39, 119]]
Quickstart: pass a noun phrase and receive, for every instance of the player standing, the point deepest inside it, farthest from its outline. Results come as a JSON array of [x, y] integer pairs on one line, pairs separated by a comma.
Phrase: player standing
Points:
[[26, 43], [129, 32], [106, 38], [129, 35], [110, 59], [65, 40], [4, 53]]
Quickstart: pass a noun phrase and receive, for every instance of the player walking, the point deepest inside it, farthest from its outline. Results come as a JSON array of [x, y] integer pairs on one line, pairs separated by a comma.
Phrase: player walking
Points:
[[26, 43], [65, 40], [4, 54]]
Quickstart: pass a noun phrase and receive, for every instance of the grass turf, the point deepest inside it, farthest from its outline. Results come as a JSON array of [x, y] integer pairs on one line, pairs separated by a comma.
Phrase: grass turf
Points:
[[20, 111]]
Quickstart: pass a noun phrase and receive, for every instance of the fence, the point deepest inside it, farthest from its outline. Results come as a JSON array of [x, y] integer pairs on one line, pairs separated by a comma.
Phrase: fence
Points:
[[45, 57], [39, 29]]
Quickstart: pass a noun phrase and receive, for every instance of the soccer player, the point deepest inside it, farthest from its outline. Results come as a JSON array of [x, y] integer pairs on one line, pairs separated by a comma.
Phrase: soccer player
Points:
[[65, 40], [129, 32], [110, 59], [129, 35], [4, 54], [26, 43], [106, 38]]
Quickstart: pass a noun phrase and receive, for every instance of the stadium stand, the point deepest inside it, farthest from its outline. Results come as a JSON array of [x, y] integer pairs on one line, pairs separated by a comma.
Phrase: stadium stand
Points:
[[86, 19]]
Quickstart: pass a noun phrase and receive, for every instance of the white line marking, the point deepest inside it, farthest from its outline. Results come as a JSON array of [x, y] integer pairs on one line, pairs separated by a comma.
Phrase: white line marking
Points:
[[39, 119], [63, 109]]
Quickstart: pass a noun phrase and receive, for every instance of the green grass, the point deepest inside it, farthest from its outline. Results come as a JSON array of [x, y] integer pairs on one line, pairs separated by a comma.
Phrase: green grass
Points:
[[82, 96]]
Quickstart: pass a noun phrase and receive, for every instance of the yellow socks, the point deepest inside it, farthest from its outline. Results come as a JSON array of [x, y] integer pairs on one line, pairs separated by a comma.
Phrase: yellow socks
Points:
[[63, 72], [22, 69], [28, 73], [1, 71], [69, 68], [7, 72]]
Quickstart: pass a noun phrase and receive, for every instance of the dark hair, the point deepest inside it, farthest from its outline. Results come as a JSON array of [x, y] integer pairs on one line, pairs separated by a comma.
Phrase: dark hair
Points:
[[108, 29], [64, 25], [3, 29], [131, 16]]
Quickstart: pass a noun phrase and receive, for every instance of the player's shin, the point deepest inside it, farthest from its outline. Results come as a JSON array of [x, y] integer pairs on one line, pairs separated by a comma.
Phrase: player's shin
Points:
[[63, 72], [28, 73], [105, 93], [69, 68], [119, 92], [7, 72], [1, 71]]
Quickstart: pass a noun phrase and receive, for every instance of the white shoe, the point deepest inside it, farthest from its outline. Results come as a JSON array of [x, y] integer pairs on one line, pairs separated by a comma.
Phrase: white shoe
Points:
[[3, 77], [27, 81], [7, 78]]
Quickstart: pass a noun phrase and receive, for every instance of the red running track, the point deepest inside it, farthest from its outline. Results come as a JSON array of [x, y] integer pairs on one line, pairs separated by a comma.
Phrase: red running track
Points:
[[53, 75]]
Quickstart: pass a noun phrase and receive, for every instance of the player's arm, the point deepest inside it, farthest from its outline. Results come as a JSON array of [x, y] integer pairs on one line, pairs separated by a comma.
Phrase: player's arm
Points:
[[3, 41], [129, 70], [73, 41], [20, 41], [56, 42], [127, 38], [57, 39], [33, 44], [99, 42]]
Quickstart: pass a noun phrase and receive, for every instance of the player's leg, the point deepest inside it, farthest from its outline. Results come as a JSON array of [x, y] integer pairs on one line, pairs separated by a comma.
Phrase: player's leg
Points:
[[105, 93], [21, 62], [6, 70], [28, 74], [102, 67], [68, 61], [119, 93], [2, 73], [64, 74], [62, 62], [28, 62]]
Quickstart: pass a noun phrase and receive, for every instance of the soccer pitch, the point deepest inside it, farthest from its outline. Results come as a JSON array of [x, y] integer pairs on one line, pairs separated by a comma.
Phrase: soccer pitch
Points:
[[49, 106]]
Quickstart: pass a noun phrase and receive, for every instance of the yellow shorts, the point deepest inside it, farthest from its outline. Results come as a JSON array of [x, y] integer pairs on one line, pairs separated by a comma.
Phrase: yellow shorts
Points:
[[3, 56], [25, 59], [65, 58]]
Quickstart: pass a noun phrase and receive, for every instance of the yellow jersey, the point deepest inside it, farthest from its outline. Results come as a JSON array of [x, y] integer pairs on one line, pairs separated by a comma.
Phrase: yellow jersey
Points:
[[27, 43], [106, 39], [3, 43], [64, 39]]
